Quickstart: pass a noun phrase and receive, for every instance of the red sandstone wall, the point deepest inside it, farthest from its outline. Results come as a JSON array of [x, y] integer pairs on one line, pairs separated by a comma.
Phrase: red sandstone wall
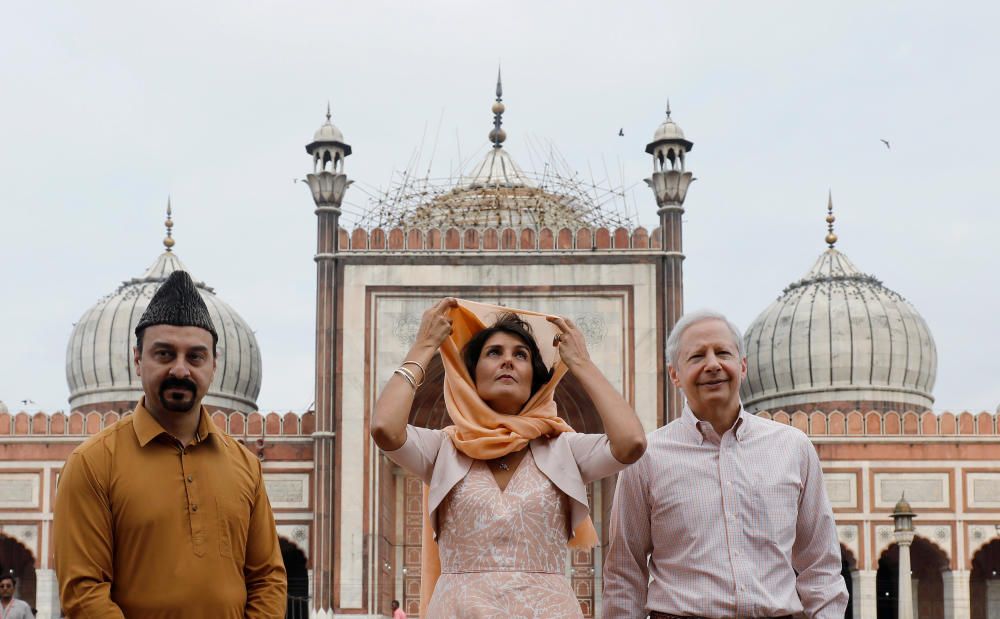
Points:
[[872, 423], [493, 239], [80, 424]]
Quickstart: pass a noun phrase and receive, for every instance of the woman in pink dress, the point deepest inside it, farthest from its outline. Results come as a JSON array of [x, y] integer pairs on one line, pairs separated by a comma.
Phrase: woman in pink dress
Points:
[[506, 485]]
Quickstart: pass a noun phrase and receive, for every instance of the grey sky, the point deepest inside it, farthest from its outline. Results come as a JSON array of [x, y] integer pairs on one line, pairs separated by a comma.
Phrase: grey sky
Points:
[[109, 107]]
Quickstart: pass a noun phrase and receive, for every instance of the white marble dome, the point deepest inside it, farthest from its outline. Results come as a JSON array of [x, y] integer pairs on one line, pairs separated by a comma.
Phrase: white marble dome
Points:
[[99, 367], [841, 338], [328, 133], [668, 130]]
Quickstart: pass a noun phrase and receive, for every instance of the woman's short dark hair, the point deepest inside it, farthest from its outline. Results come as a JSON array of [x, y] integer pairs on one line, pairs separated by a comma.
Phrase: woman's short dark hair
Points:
[[510, 323]]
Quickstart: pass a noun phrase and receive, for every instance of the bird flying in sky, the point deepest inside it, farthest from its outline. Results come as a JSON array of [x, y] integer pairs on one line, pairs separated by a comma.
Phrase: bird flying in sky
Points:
[[886, 142]]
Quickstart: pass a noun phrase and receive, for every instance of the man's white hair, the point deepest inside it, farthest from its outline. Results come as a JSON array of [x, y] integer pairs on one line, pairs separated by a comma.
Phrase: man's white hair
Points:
[[691, 318]]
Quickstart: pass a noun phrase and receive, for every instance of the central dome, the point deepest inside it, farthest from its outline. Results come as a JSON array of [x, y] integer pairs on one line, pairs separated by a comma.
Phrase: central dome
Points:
[[99, 366], [497, 194], [839, 339]]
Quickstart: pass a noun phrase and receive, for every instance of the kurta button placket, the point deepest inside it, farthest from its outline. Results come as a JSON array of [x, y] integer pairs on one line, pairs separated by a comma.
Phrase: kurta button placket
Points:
[[194, 517]]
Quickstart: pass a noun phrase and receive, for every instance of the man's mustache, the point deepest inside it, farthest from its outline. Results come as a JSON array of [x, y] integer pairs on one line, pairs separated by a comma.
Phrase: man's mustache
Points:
[[178, 383]]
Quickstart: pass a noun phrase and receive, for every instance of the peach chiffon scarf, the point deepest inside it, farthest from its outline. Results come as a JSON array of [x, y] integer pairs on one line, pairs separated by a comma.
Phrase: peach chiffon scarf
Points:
[[482, 433]]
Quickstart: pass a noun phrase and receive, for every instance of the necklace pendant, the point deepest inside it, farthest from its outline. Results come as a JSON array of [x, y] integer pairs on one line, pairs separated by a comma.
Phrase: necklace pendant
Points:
[[504, 467]]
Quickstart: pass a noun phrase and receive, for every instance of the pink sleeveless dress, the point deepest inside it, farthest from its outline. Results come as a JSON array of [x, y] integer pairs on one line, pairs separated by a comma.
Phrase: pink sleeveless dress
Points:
[[503, 553]]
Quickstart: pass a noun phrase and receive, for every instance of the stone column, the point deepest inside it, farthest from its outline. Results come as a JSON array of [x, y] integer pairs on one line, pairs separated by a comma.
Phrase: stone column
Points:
[[993, 598], [915, 588], [904, 597], [47, 594], [863, 594], [956, 594]]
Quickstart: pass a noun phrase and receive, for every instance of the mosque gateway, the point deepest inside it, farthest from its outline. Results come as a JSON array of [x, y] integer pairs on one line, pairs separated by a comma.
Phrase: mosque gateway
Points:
[[838, 354]]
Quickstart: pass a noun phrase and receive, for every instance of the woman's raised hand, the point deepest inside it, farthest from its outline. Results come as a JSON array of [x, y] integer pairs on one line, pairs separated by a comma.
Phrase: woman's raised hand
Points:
[[570, 342], [435, 325]]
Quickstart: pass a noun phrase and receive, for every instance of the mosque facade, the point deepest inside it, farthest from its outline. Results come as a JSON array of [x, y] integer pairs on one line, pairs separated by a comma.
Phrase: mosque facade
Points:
[[838, 355]]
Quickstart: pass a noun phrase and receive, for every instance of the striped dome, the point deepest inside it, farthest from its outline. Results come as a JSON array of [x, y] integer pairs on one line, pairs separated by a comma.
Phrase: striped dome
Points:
[[99, 367], [840, 337]]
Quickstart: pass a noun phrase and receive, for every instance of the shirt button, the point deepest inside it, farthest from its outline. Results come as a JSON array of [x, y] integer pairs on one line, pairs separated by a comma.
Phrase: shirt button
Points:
[[194, 508], [190, 479]]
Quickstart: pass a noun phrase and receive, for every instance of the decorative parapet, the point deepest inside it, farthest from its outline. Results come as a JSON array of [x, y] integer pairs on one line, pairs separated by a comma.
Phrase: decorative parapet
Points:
[[79, 424], [497, 239], [873, 423]]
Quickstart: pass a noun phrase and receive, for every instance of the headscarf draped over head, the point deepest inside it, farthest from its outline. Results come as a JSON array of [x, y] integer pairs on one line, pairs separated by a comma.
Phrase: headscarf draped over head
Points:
[[484, 434]]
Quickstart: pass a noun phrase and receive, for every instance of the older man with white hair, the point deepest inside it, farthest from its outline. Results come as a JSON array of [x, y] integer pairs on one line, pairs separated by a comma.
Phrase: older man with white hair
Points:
[[726, 514]]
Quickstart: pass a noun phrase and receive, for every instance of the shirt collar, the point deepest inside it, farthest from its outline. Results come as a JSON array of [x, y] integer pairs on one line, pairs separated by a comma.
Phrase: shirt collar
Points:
[[147, 427], [740, 429]]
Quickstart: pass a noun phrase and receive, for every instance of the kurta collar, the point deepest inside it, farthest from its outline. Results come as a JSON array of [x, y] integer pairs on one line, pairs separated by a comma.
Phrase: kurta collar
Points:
[[147, 427], [698, 427]]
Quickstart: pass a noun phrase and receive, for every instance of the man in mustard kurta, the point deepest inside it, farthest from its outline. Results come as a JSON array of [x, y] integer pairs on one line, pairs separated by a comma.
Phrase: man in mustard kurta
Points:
[[163, 515]]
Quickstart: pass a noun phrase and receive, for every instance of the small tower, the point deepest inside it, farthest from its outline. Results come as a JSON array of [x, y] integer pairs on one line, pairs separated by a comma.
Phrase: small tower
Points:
[[669, 183], [328, 184], [328, 181]]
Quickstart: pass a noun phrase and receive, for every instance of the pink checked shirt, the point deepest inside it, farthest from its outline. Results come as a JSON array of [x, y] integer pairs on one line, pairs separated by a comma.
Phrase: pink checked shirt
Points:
[[725, 524]]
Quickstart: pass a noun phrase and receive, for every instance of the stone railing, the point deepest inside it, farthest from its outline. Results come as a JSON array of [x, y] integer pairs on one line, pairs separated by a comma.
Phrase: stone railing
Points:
[[873, 423], [79, 424], [498, 239]]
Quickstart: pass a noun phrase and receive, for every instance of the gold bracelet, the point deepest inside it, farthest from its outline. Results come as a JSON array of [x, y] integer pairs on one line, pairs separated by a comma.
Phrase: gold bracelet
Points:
[[407, 375], [423, 372]]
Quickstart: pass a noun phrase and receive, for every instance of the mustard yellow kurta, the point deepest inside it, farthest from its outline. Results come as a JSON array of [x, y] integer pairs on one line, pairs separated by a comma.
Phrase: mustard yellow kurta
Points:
[[145, 528]]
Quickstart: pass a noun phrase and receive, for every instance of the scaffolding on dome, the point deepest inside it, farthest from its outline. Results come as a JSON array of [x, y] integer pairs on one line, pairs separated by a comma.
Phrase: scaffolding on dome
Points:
[[557, 197]]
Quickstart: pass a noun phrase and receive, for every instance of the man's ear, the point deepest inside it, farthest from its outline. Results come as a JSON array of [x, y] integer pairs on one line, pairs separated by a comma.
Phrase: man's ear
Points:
[[673, 375], [743, 369], [136, 355]]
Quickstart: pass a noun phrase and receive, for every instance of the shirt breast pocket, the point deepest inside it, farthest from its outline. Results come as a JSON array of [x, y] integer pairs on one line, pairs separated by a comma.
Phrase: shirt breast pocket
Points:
[[224, 524], [776, 508]]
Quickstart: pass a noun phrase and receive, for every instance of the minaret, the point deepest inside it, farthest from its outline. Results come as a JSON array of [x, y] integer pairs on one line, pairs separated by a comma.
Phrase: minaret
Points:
[[670, 184], [328, 184]]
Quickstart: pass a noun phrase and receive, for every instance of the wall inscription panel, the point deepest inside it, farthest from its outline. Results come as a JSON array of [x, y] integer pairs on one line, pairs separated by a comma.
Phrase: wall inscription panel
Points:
[[287, 490], [20, 490], [983, 490], [926, 490], [842, 489]]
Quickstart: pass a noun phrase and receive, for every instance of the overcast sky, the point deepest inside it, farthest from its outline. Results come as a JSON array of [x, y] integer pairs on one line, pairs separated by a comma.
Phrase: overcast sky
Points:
[[109, 107]]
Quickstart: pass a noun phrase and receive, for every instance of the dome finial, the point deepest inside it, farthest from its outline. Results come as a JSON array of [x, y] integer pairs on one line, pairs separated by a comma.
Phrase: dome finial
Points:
[[327, 111], [668, 109], [831, 238], [498, 135], [168, 241]]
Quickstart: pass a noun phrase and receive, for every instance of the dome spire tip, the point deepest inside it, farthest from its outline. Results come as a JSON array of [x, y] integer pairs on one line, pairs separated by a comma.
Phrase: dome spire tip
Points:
[[168, 241], [831, 238], [498, 135]]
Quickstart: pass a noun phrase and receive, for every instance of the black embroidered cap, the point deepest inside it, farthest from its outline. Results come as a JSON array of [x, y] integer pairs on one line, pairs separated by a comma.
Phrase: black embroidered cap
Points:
[[177, 303]]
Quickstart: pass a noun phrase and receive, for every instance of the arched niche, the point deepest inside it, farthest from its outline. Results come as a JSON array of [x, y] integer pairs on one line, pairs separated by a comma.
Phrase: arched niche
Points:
[[848, 564], [16, 559], [298, 578], [927, 561], [984, 581]]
